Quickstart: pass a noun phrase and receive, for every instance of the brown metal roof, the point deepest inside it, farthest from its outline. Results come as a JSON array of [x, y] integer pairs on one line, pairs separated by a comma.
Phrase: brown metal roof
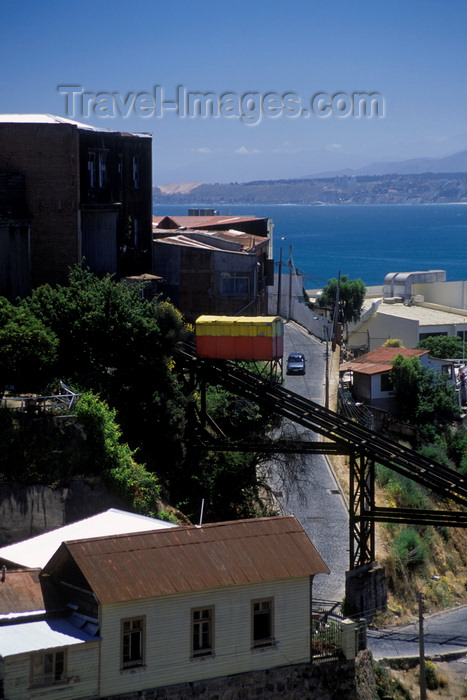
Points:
[[138, 566], [196, 222], [245, 241], [21, 592], [379, 360]]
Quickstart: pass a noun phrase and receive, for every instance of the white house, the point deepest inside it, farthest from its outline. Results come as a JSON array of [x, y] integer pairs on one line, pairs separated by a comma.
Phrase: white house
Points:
[[154, 609], [370, 374]]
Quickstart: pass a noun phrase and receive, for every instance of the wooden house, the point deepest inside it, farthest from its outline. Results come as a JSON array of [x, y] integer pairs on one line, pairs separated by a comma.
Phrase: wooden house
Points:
[[154, 609]]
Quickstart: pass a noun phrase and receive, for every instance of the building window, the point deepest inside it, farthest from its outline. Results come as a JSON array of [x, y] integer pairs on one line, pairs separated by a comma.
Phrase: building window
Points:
[[120, 169], [262, 622], [447, 370], [48, 668], [136, 173], [136, 233], [234, 284], [422, 336], [202, 632], [102, 170], [133, 642], [92, 169], [97, 169], [386, 383]]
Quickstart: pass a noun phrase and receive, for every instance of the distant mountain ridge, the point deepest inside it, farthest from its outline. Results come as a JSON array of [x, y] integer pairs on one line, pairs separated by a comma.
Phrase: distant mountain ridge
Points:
[[454, 163], [415, 181]]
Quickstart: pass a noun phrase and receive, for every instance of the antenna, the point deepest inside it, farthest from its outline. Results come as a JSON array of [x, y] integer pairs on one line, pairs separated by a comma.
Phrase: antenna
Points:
[[201, 514]]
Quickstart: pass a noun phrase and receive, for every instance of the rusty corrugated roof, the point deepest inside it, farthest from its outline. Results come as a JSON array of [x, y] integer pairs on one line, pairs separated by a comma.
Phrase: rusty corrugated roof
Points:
[[21, 592], [247, 241], [379, 360], [196, 222], [138, 566]]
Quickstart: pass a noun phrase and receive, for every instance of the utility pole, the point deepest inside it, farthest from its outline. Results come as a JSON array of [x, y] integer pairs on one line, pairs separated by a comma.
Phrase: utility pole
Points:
[[421, 638], [326, 393], [421, 647], [279, 280], [290, 284], [335, 316]]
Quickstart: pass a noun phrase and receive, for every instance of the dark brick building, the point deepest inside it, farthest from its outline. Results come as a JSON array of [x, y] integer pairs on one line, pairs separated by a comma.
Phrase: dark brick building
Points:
[[86, 193]]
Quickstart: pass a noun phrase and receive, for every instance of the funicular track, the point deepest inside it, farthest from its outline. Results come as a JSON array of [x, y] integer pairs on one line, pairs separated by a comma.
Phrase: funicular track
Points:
[[342, 436]]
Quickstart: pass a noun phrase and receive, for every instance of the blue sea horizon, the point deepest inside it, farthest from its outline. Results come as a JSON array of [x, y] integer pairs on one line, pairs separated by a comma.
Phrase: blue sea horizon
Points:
[[361, 241]]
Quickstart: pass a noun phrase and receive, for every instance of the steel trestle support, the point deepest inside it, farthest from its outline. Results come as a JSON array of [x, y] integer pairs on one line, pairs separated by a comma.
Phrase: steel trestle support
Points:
[[361, 501]]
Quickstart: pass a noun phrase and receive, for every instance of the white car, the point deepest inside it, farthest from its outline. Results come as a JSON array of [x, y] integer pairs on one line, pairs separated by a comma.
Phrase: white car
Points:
[[296, 363]]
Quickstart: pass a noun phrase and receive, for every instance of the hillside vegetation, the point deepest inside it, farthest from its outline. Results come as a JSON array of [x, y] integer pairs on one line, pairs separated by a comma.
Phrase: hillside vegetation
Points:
[[135, 423]]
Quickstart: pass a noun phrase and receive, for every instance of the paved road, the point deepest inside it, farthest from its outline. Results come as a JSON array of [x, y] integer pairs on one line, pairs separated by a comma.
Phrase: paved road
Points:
[[445, 634], [314, 497], [317, 502]]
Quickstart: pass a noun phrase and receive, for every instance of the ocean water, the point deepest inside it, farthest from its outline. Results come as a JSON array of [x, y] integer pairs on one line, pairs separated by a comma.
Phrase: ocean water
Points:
[[362, 242]]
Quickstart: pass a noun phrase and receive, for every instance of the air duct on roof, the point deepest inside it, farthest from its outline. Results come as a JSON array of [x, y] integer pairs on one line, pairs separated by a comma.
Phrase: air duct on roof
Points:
[[400, 284]]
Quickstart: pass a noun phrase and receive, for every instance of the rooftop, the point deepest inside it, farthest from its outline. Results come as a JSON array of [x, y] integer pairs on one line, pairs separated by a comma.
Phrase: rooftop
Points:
[[36, 551], [197, 222], [21, 592], [426, 316], [28, 637], [379, 360], [52, 119], [243, 242], [215, 555]]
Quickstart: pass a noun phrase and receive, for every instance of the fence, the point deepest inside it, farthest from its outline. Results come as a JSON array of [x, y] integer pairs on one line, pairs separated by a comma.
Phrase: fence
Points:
[[333, 636], [65, 401]]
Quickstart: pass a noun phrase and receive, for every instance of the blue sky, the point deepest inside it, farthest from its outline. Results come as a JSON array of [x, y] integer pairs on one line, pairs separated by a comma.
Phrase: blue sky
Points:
[[413, 54]]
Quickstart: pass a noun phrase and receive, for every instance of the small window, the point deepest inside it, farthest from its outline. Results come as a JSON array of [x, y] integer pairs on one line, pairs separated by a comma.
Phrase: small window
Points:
[[132, 642], [202, 632], [262, 622], [136, 233], [92, 169], [136, 173], [48, 668], [102, 170], [422, 336], [234, 284]]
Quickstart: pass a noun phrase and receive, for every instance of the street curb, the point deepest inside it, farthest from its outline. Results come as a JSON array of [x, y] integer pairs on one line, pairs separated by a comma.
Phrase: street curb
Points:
[[448, 656]]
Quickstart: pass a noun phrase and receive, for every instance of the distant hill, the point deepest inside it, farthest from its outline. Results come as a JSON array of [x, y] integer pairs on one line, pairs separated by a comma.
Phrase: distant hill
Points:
[[348, 188], [179, 187], [455, 163]]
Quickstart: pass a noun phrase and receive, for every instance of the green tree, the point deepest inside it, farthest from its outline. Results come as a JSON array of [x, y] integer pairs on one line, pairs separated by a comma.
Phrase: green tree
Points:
[[423, 394], [28, 349], [443, 346], [351, 298], [104, 453], [115, 343]]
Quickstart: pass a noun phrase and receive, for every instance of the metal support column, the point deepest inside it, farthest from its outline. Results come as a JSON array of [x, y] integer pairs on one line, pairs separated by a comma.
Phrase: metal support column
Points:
[[362, 497]]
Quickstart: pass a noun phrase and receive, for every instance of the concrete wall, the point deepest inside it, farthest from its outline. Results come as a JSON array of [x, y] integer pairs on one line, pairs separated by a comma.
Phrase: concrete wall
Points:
[[452, 294], [378, 328], [27, 511]]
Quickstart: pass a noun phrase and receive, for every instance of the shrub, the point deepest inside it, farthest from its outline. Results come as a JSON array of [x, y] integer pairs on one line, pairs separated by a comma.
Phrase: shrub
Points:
[[410, 548], [106, 455], [433, 681]]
